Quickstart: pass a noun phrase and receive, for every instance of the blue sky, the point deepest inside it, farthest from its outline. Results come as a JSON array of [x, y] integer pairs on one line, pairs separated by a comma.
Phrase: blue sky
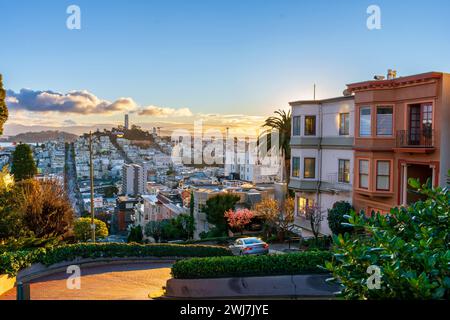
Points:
[[235, 57]]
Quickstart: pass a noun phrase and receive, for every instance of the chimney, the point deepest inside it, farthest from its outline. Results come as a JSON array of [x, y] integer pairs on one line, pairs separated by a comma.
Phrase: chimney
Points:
[[392, 74]]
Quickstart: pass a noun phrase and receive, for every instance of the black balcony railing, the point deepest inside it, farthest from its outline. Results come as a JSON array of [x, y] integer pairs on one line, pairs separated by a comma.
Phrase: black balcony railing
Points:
[[416, 138]]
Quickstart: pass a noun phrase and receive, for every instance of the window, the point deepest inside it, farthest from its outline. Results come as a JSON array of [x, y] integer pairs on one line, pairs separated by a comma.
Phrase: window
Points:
[[364, 174], [384, 121], [344, 124], [296, 167], [427, 119], [303, 204], [310, 125], [296, 126], [365, 126], [383, 175], [310, 168], [344, 171]]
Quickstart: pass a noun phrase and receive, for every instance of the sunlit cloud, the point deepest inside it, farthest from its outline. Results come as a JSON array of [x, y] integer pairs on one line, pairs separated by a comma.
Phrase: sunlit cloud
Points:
[[155, 111]]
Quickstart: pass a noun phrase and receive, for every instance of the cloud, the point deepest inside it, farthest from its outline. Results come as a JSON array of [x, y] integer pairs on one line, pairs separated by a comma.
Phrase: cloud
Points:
[[69, 123], [155, 111], [83, 103], [76, 102]]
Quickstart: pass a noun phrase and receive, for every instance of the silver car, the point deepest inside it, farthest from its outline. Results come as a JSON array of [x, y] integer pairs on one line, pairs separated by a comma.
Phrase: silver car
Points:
[[247, 246]]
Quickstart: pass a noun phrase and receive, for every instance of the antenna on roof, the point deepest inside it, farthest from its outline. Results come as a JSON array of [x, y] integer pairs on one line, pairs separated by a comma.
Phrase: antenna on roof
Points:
[[314, 91]]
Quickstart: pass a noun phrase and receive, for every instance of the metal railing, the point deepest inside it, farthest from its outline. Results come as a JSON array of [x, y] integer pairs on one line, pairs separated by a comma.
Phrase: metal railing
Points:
[[417, 138]]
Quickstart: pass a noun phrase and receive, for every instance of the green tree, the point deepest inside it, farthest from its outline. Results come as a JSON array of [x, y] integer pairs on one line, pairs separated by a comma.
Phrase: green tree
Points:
[[409, 246], [153, 229], [135, 235], [23, 165], [281, 123], [336, 217], [82, 229], [215, 209], [3, 107]]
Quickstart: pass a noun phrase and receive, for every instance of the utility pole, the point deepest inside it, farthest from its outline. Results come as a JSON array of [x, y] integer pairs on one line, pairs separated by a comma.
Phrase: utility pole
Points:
[[92, 186]]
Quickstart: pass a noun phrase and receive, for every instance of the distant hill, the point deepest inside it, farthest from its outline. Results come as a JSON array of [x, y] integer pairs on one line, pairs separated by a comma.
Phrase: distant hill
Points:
[[42, 136]]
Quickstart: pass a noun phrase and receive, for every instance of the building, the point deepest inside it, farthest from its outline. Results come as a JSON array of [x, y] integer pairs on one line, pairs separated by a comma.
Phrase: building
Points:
[[251, 165], [321, 155], [124, 214], [134, 179], [401, 131], [126, 122]]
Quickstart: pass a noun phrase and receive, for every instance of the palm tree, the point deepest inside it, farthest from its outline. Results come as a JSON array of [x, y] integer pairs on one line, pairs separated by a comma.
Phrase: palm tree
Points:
[[282, 124]]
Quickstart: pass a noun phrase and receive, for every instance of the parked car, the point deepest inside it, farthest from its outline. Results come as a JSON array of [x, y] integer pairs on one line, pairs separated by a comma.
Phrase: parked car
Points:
[[247, 246]]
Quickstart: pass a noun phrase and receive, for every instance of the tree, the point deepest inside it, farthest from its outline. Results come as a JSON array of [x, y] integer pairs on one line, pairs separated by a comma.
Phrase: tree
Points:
[[315, 217], [268, 210], [336, 217], [83, 232], [286, 218], [110, 191], [239, 219], [153, 229], [215, 209], [135, 235], [47, 212], [3, 106], [277, 218], [177, 228], [409, 247], [23, 166], [281, 123]]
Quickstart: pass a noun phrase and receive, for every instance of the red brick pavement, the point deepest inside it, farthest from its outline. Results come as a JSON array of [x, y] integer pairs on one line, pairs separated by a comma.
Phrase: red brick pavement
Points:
[[114, 282]]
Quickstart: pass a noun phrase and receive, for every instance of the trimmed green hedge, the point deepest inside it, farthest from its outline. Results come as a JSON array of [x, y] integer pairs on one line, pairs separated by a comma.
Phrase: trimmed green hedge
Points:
[[249, 266], [13, 262]]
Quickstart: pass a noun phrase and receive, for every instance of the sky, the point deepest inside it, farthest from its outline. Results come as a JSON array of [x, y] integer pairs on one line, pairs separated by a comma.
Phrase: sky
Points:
[[228, 62]]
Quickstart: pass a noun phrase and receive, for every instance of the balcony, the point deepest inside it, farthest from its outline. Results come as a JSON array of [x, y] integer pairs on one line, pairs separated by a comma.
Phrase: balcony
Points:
[[415, 141]]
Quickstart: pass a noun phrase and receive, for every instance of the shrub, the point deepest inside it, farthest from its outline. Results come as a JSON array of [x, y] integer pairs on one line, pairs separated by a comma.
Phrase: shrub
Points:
[[241, 266], [336, 216], [135, 235], [410, 246], [82, 229], [12, 262]]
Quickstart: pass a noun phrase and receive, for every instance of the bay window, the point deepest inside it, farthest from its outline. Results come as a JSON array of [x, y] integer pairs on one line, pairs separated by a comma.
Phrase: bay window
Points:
[[310, 168], [384, 121], [364, 174], [296, 167], [365, 122], [383, 175]]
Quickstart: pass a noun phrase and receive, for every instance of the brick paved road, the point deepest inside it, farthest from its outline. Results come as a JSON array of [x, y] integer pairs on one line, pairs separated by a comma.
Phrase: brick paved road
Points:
[[114, 282]]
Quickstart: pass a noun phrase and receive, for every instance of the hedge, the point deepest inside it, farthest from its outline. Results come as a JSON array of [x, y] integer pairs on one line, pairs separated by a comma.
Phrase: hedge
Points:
[[248, 266], [13, 262]]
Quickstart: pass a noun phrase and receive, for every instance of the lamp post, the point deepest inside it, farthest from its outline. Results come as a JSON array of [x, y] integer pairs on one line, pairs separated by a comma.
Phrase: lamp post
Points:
[[92, 186]]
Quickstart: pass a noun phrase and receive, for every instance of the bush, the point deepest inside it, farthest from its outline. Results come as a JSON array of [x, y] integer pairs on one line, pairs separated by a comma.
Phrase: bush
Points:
[[249, 266], [336, 216], [12, 262], [410, 246], [135, 235]]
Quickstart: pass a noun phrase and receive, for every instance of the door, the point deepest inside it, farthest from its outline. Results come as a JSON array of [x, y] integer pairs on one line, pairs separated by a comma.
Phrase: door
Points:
[[414, 125]]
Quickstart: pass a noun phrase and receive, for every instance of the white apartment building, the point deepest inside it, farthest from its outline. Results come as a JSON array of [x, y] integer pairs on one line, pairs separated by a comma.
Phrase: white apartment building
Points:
[[134, 179], [247, 166], [321, 155]]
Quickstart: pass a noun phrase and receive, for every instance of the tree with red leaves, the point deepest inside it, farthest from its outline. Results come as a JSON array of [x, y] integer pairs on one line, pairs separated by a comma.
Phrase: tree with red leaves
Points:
[[238, 219]]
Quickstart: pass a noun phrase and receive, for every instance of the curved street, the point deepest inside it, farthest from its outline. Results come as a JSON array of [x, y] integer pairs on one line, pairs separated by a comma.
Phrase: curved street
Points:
[[112, 282]]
